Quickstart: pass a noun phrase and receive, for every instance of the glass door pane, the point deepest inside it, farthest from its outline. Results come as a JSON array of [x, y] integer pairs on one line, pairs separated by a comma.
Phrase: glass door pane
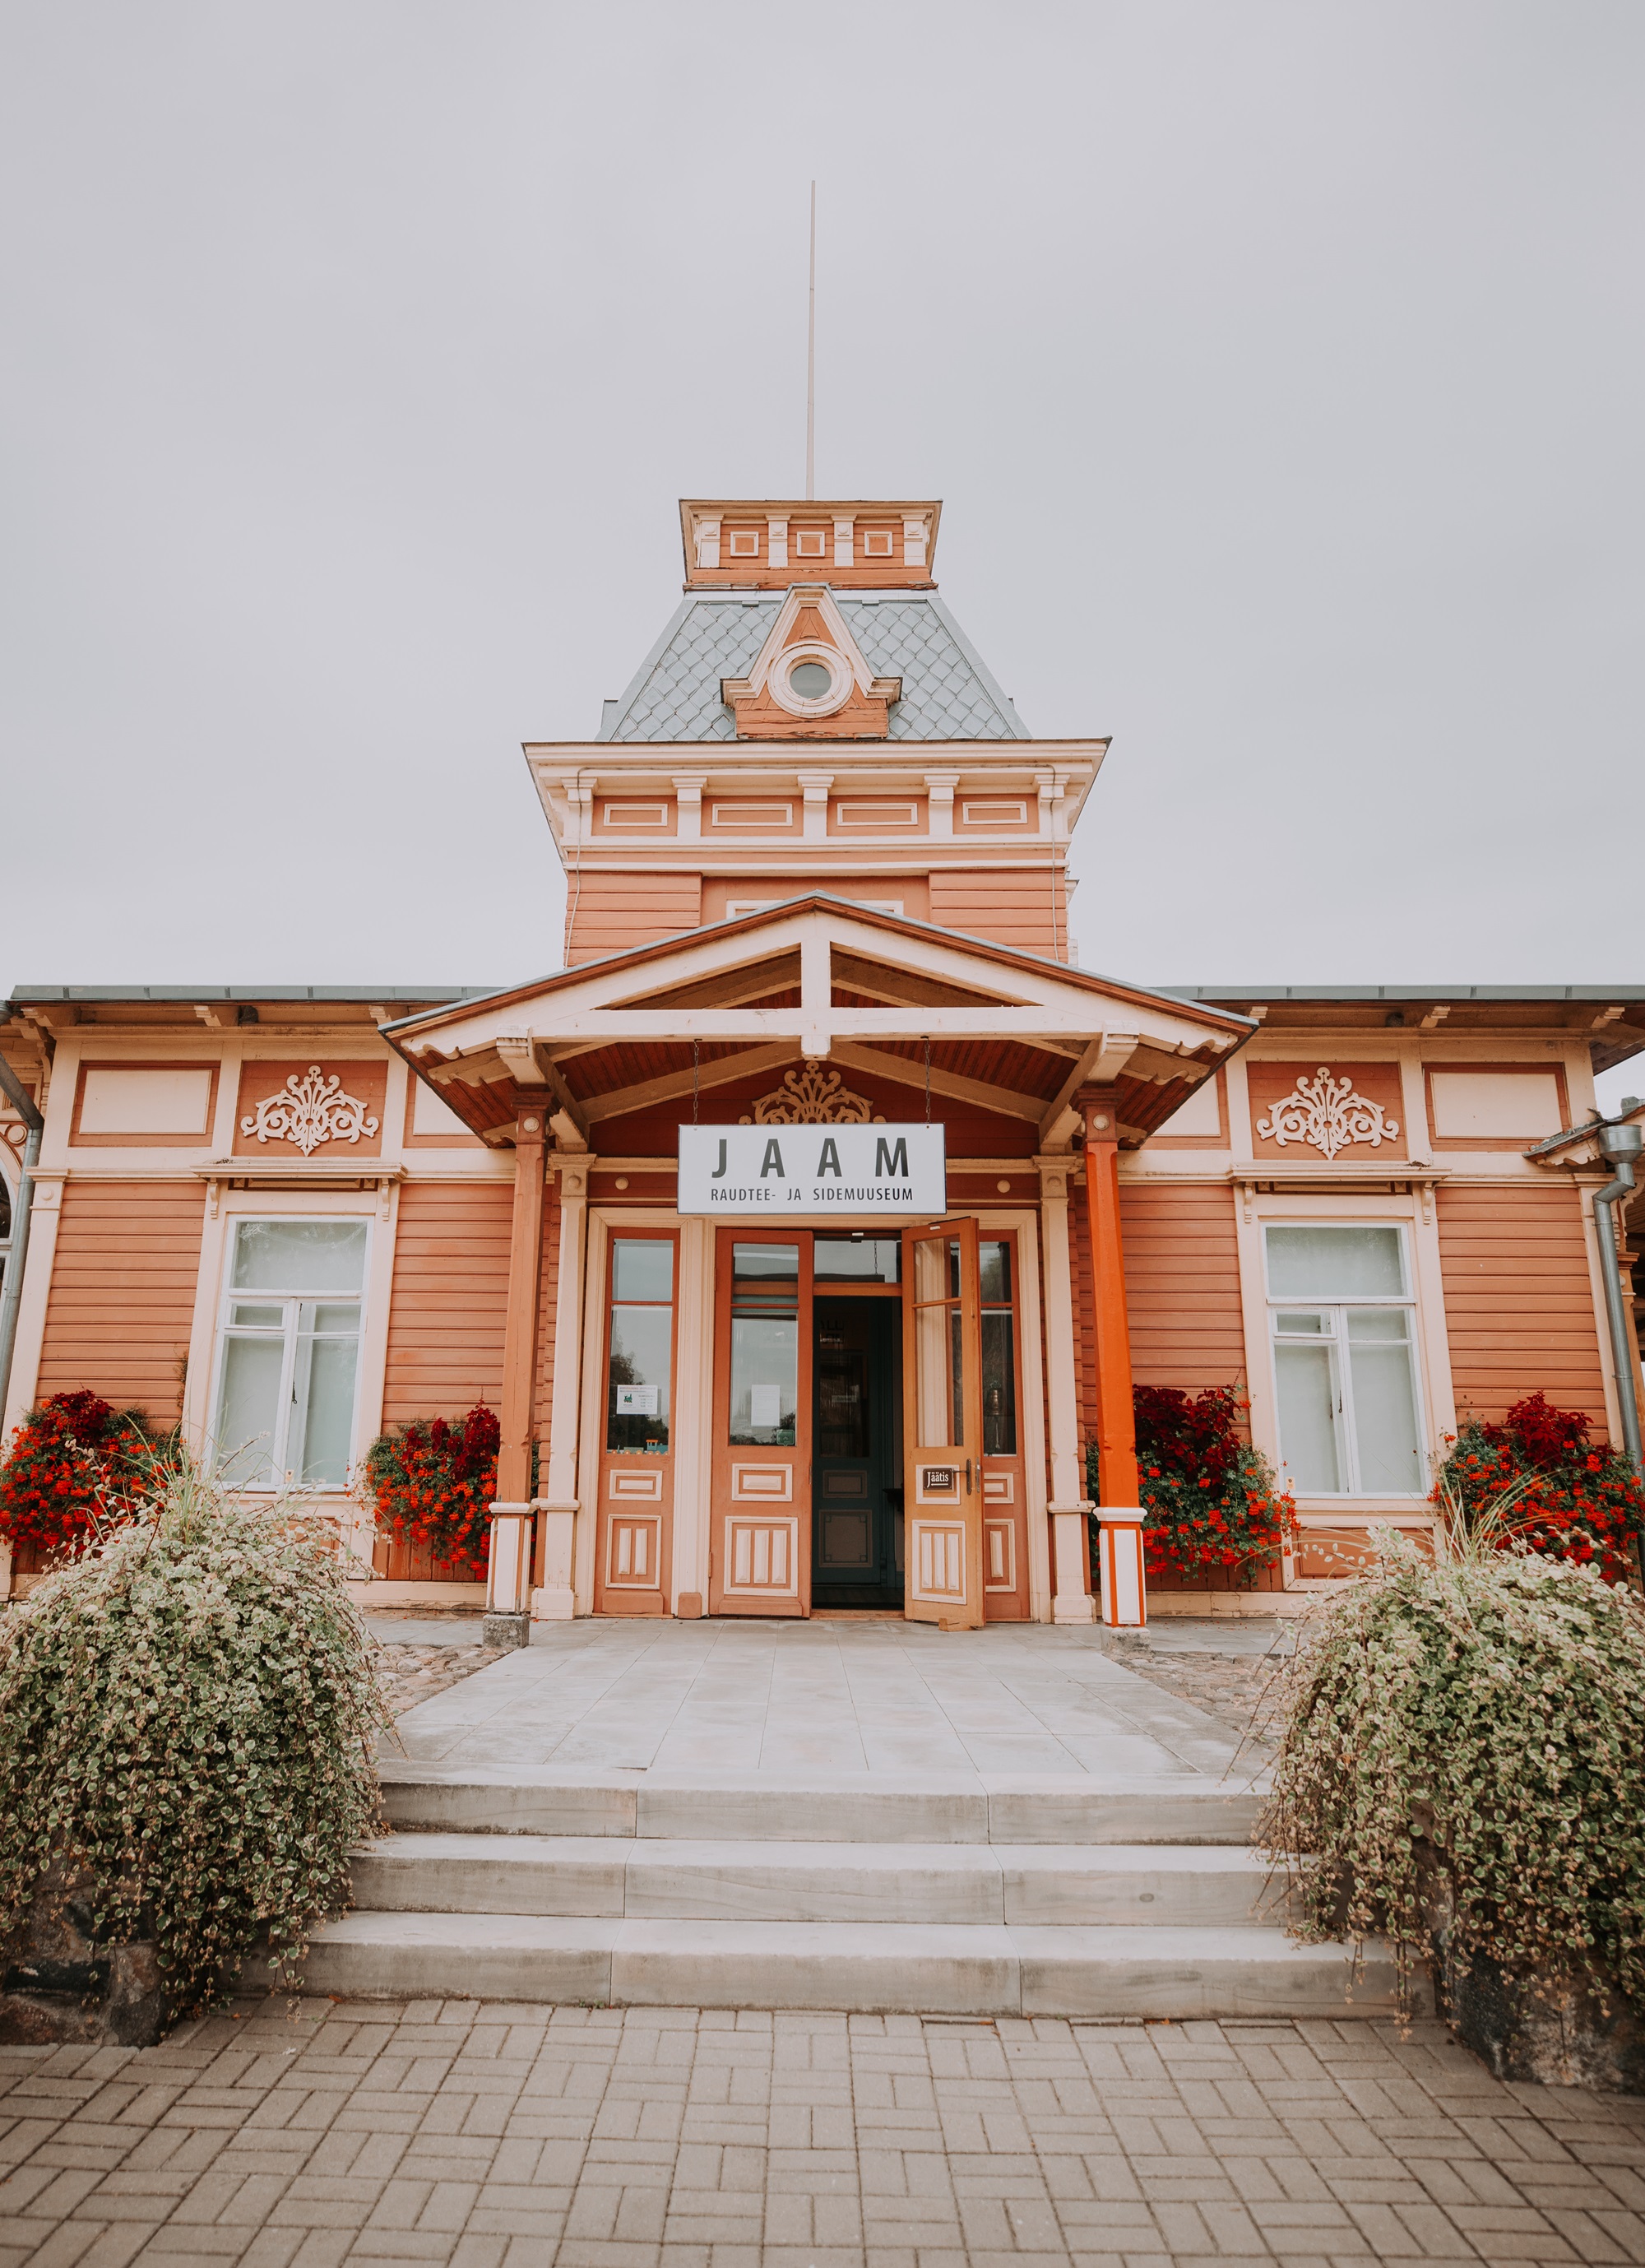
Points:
[[248, 1407], [943, 1403]]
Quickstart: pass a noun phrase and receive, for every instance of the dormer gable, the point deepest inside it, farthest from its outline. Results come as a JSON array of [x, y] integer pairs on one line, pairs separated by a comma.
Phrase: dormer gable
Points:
[[809, 680]]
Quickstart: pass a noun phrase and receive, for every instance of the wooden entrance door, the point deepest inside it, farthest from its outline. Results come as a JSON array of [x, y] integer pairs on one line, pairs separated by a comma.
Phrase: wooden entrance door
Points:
[[759, 1549], [942, 1371]]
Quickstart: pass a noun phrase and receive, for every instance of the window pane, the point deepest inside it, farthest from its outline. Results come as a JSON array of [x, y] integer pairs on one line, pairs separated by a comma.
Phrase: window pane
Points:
[[765, 1380], [857, 1259], [322, 1410], [331, 1315], [1384, 1414], [299, 1256], [999, 1385], [1335, 1263], [1308, 1434], [765, 1266], [1295, 1326], [996, 1264], [258, 1318], [247, 1408], [641, 1269], [636, 1390], [1382, 1323]]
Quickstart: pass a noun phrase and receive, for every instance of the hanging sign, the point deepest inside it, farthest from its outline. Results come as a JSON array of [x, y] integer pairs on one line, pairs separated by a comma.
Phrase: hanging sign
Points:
[[770, 1170]]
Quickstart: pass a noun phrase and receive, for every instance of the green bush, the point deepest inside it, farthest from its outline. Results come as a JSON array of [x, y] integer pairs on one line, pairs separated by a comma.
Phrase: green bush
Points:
[[1461, 1767], [188, 1715]]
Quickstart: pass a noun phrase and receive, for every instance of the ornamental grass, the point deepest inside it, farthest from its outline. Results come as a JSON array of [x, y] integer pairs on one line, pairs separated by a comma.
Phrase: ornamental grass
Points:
[[187, 1716], [1461, 1768]]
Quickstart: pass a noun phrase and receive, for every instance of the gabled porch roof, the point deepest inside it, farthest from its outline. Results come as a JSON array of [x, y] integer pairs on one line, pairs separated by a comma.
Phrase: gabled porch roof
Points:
[[610, 1050]]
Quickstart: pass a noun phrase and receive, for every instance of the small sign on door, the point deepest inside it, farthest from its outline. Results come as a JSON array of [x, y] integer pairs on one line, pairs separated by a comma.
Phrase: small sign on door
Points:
[[637, 1401]]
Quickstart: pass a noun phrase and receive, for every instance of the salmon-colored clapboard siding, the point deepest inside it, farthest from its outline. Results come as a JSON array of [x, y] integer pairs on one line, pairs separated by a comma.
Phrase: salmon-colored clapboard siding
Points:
[[450, 1299], [122, 1304], [1519, 1303], [1182, 1286], [609, 913], [1183, 1306], [1013, 908], [446, 1322]]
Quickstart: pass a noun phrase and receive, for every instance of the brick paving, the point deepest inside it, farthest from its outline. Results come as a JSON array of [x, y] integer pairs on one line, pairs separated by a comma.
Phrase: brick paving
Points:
[[305, 2134]]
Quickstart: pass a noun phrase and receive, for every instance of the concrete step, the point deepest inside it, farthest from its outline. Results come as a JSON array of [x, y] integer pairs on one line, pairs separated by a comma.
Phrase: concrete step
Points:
[[865, 1807], [972, 1884], [939, 1969]]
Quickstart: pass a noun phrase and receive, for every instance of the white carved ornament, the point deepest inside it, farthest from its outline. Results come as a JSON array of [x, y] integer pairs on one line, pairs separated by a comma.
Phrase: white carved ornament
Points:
[[308, 1111], [812, 1097], [1327, 1115]]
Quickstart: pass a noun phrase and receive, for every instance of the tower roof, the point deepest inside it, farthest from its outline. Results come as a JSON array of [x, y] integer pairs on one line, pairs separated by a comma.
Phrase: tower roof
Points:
[[948, 692]]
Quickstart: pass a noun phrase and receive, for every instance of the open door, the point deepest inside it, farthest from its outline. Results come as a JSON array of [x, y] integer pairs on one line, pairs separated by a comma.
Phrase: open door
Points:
[[941, 1369]]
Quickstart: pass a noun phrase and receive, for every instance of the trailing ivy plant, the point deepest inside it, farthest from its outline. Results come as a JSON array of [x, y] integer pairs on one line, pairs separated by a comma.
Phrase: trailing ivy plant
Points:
[[188, 1715], [1211, 1499], [1461, 1767]]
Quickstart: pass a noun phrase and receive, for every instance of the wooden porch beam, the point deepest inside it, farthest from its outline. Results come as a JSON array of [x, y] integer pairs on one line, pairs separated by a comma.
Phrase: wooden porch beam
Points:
[[1005, 1100], [751, 1063], [1036, 1026], [1101, 1063]]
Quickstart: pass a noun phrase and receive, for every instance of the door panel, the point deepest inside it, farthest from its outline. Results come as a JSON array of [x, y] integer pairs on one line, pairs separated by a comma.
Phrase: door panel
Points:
[[759, 1521], [1005, 1479], [943, 1424], [635, 1474]]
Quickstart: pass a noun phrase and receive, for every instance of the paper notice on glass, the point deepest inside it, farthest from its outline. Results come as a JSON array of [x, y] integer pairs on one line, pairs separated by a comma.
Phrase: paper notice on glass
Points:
[[637, 1401], [765, 1406]]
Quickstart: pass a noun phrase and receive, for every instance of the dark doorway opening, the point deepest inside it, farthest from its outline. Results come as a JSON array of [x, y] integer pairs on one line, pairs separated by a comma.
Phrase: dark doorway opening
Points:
[[856, 1454]]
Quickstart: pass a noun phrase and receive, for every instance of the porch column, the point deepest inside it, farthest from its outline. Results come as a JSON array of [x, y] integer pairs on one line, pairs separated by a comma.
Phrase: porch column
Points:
[[555, 1599], [508, 1577], [1118, 1485], [1070, 1551]]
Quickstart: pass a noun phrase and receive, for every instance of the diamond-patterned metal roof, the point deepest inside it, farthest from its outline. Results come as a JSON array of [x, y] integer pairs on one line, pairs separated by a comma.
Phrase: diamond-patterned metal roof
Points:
[[947, 693]]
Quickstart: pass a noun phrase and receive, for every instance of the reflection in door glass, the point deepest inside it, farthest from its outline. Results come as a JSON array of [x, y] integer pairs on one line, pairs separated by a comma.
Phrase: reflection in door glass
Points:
[[938, 1400], [999, 1364], [641, 1344], [765, 1345]]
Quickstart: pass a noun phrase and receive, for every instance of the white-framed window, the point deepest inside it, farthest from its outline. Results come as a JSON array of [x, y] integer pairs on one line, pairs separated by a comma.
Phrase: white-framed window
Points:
[[289, 1352], [1343, 1327]]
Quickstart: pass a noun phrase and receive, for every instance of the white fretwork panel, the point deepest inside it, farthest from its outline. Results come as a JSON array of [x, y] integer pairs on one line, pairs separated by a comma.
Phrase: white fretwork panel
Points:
[[762, 1556], [634, 1485], [999, 1555], [939, 1561], [633, 1549], [762, 1484]]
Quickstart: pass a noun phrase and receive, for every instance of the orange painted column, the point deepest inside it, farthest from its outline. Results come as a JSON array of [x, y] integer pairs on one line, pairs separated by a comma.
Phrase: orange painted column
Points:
[[508, 1588], [1119, 1485]]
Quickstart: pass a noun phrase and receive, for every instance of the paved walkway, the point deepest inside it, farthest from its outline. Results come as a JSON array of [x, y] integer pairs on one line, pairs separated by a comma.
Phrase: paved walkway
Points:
[[791, 1698], [303, 2135]]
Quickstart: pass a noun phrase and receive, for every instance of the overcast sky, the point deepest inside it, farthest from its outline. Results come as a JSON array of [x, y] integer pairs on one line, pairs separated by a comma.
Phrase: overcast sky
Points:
[[1279, 366]]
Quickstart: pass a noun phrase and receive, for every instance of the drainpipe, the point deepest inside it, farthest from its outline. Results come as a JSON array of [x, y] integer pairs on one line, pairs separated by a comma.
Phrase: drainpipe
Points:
[[11, 1292], [1621, 1145]]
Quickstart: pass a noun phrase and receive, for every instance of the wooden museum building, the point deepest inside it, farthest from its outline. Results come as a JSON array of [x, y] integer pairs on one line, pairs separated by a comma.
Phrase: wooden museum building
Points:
[[809, 1224]]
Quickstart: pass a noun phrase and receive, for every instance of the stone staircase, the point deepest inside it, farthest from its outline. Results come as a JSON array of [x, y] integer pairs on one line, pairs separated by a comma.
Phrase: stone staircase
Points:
[[956, 1894]]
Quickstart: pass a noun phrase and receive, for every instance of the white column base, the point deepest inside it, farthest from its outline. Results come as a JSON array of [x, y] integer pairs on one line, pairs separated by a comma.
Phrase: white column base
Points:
[[1071, 1564], [509, 1573], [554, 1600], [1120, 1563]]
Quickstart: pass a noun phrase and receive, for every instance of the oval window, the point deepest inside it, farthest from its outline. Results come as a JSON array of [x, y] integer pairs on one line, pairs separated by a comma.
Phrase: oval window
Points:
[[809, 680]]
